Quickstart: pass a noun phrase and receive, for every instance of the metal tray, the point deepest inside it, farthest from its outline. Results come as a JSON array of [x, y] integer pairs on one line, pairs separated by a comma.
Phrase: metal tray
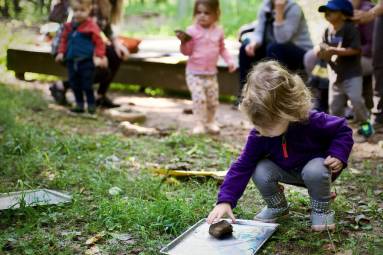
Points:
[[248, 237], [12, 200]]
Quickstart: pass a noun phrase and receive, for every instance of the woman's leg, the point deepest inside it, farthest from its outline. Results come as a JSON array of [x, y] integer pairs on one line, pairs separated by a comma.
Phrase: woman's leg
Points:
[[378, 67], [105, 76], [288, 54]]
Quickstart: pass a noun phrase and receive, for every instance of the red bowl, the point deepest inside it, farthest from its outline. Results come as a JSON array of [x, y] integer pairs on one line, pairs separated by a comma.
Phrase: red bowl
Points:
[[130, 43]]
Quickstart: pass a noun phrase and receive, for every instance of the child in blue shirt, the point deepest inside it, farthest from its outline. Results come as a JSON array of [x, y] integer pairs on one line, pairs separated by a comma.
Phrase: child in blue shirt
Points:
[[83, 49]]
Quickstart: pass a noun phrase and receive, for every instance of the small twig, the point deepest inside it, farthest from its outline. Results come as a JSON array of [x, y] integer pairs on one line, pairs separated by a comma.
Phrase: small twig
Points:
[[329, 235]]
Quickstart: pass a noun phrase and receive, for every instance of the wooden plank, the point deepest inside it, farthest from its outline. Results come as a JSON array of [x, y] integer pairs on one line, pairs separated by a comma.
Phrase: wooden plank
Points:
[[145, 69]]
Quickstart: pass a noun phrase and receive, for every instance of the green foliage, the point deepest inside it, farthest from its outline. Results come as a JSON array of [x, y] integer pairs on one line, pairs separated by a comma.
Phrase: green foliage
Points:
[[40, 148], [163, 17]]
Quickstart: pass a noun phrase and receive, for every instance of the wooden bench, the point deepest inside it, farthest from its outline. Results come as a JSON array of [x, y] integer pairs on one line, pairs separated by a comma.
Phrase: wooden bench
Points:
[[155, 69]]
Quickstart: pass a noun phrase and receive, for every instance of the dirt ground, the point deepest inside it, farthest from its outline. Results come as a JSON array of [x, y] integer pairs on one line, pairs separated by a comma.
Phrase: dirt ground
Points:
[[166, 113]]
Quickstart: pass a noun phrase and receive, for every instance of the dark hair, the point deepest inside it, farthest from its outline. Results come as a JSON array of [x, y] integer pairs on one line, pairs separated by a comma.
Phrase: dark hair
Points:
[[212, 5]]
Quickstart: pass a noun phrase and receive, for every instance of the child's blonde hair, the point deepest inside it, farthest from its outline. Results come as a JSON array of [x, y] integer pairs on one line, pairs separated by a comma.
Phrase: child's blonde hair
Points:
[[212, 5], [272, 94]]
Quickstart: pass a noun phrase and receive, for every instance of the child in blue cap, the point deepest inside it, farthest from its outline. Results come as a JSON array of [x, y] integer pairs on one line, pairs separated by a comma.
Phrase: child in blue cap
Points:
[[341, 49]]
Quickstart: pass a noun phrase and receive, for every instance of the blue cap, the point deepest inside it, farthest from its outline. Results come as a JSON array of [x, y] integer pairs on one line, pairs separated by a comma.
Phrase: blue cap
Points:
[[343, 6]]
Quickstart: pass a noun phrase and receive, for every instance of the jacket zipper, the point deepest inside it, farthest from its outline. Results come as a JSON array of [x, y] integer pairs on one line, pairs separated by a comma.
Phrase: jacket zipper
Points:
[[284, 147]]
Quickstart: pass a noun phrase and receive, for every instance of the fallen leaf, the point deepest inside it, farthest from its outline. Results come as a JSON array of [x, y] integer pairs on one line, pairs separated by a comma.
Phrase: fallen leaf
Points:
[[172, 181], [329, 247], [356, 198], [93, 250], [179, 166], [95, 239], [187, 111], [362, 220], [70, 233], [135, 251], [9, 244], [365, 208], [362, 202], [122, 237], [347, 252], [114, 191], [351, 211]]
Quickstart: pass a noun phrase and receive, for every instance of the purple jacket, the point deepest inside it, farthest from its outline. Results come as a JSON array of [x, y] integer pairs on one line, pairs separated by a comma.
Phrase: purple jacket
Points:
[[366, 30], [322, 135]]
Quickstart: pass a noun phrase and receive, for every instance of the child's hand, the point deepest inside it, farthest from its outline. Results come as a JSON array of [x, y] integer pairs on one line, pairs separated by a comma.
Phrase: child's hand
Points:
[[333, 164], [100, 62], [182, 36], [232, 68], [219, 211], [59, 58], [250, 49]]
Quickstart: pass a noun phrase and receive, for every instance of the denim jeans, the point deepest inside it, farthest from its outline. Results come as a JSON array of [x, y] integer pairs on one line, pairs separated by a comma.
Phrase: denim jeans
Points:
[[314, 175], [81, 75]]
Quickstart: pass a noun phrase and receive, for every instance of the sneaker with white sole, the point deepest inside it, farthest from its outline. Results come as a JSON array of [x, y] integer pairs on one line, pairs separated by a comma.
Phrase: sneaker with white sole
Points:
[[213, 128], [322, 218], [199, 129], [276, 208]]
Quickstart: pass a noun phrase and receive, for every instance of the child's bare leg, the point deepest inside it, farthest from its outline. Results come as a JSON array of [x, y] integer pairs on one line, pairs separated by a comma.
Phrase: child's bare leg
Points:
[[212, 104], [317, 179], [196, 86]]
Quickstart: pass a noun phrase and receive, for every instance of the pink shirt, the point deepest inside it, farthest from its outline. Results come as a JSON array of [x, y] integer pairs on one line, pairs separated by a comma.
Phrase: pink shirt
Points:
[[206, 45]]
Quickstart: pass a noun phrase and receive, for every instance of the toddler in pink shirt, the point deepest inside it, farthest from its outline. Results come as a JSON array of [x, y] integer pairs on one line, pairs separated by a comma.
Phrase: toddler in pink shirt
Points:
[[204, 48]]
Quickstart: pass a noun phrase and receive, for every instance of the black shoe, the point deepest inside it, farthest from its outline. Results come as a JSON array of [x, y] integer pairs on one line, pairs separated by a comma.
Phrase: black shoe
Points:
[[106, 102], [77, 109], [92, 109], [378, 123], [58, 95]]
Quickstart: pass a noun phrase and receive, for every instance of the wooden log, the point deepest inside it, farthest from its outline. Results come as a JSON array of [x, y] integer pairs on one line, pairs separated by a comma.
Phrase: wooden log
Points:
[[157, 72]]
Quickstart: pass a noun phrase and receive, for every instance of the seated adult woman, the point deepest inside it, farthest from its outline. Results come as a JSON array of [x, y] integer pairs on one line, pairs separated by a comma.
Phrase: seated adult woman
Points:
[[106, 13], [281, 34]]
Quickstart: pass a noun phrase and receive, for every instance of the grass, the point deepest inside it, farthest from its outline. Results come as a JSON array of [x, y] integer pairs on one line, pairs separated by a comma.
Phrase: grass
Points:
[[41, 148], [233, 15]]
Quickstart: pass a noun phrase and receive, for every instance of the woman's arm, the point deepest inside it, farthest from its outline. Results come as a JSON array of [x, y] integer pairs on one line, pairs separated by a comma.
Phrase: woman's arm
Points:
[[257, 36], [368, 16], [285, 28]]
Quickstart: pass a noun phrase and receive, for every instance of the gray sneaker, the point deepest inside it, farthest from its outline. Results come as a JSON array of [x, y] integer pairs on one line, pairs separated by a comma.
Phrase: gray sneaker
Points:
[[322, 218], [276, 208]]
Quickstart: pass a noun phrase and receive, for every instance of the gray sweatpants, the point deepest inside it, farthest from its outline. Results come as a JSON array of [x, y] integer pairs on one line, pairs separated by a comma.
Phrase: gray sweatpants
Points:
[[350, 89], [314, 175], [378, 59]]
